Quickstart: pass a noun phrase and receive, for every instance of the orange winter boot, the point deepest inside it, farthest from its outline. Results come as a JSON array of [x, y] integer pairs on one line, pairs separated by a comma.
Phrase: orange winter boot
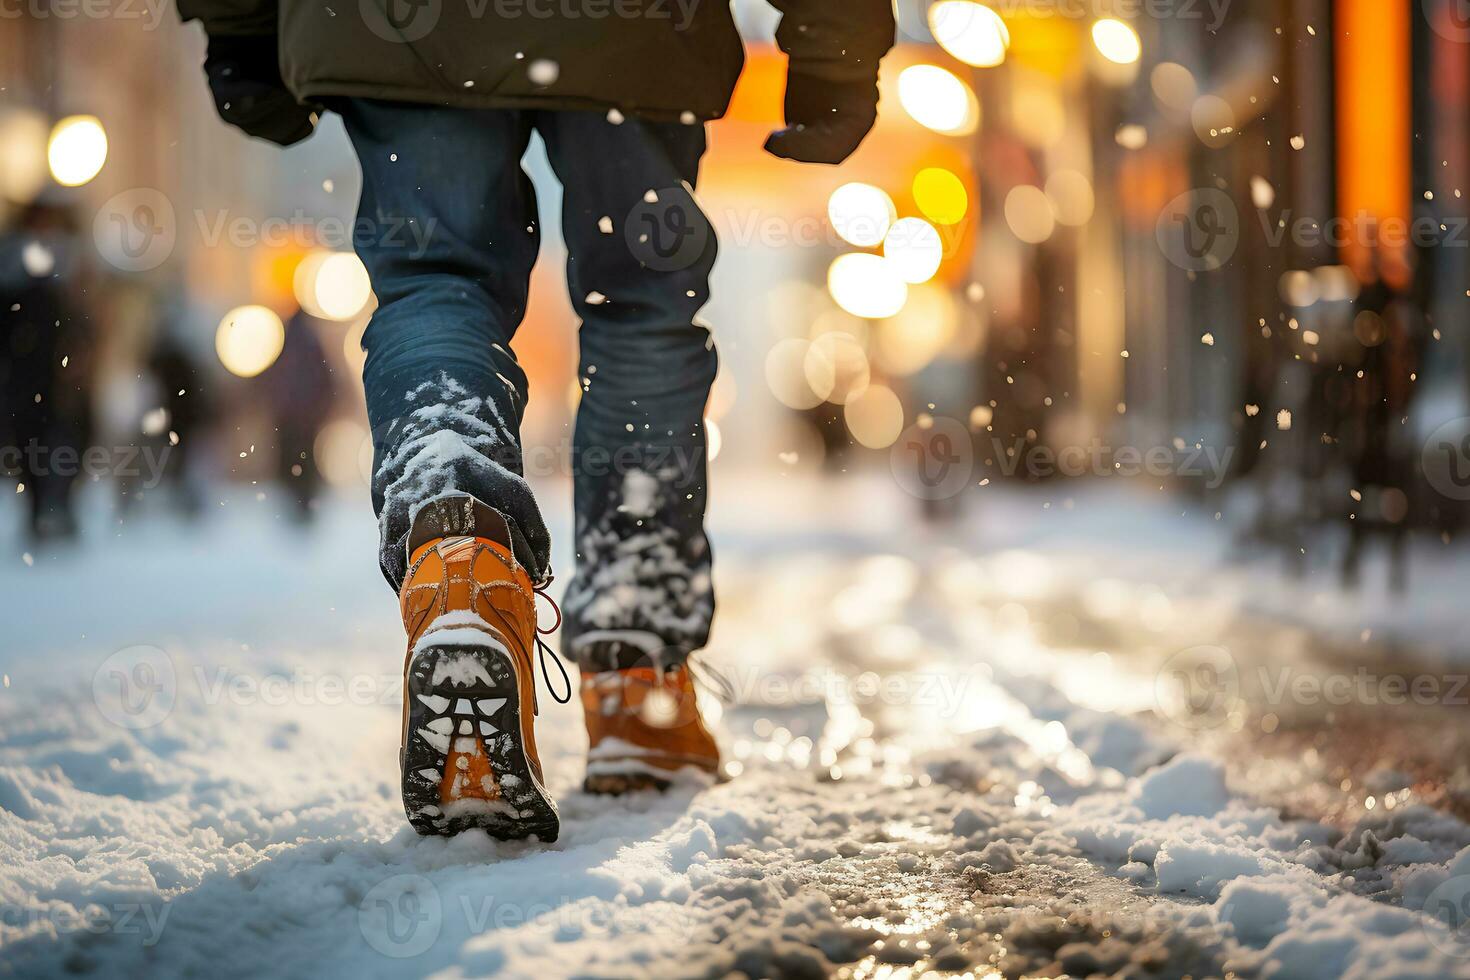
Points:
[[468, 752], [644, 730]]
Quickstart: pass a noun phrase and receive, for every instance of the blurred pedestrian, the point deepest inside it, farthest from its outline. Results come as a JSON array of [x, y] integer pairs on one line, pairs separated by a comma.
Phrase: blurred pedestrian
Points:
[[1379, 443], [185, 408], [43, 412], [299, 389]]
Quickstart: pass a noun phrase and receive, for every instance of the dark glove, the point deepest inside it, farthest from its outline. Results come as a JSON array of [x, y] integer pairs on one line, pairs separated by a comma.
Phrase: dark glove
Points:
[[825, 121], [245, 79]]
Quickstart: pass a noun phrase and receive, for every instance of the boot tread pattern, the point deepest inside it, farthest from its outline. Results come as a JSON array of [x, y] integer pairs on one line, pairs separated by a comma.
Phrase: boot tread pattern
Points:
[[464, 706]]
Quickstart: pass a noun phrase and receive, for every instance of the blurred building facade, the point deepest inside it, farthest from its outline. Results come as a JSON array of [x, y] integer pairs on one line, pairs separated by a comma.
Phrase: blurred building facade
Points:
[[1151, 226]]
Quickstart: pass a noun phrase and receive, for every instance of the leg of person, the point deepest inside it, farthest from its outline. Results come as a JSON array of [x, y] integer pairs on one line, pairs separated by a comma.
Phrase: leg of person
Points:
[[449, 247], [640, 256], [447, 230]]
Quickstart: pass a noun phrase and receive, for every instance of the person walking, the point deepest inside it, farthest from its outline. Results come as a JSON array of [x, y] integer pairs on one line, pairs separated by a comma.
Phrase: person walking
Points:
[[440, 99]]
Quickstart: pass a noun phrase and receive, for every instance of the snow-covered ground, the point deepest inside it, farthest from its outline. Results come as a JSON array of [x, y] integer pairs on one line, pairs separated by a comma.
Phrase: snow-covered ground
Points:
[[956, 748]]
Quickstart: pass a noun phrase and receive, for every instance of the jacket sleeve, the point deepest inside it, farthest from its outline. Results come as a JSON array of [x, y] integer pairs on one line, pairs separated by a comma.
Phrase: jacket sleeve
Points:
[[835, 40], [232, 18]]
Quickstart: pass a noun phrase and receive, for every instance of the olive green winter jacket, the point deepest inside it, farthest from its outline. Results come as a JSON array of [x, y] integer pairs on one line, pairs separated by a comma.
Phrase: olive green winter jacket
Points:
[[663, 59]]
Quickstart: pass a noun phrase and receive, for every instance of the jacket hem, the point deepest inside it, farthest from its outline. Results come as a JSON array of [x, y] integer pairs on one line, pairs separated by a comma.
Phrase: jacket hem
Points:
[[324, 91]]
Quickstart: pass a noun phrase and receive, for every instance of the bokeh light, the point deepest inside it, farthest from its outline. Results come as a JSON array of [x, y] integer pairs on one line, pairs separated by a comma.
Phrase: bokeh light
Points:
[[332, 285], [911, 340], [1213, 120], [23, 168], [914, 250], [875, 417], [1116, 41], [77, 150], [1299, 288], [786, 374], [834, 320], [249, 340], [971, 32], [342, 287], [1029, 214], [1071, 197], [344, 453], [714, 441], [303, 280], [861, 214], [1174, 86], [866, 285], [938, 100], [941, 196], [836, 367]]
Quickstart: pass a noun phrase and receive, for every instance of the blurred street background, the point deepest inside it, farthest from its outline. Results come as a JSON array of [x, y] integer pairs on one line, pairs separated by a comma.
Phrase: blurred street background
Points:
[[1126, 364], [1215, 250]]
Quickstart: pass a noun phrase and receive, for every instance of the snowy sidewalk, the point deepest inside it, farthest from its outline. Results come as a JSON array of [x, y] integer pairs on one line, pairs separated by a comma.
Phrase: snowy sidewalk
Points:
[[949, 749]]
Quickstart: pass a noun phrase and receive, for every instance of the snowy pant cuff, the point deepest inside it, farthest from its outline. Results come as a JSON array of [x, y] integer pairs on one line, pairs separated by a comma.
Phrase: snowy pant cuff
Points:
[[601, 650]]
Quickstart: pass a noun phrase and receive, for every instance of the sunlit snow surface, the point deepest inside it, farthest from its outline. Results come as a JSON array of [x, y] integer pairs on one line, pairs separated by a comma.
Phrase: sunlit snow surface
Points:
[[948, 750]]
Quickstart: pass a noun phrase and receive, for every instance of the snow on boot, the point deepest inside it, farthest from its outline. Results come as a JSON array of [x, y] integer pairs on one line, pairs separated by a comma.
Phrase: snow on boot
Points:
[[644, 730], [468, 753]]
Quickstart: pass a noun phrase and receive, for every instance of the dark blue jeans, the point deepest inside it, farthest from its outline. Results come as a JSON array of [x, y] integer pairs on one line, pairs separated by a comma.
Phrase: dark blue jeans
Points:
[[448, 230]]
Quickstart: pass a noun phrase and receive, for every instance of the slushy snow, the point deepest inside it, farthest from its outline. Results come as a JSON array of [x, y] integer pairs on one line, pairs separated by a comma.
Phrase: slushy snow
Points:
[[924, 780]]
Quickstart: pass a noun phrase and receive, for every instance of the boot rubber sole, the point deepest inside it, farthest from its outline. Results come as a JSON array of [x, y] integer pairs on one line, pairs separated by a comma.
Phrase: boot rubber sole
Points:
[[619, 783], [463, 763], [616, 776]]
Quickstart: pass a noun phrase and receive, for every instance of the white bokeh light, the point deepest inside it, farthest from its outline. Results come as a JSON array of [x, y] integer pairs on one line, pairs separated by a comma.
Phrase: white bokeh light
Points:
[[970, 31], [866, 285], [77, 150], [861, 214]]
